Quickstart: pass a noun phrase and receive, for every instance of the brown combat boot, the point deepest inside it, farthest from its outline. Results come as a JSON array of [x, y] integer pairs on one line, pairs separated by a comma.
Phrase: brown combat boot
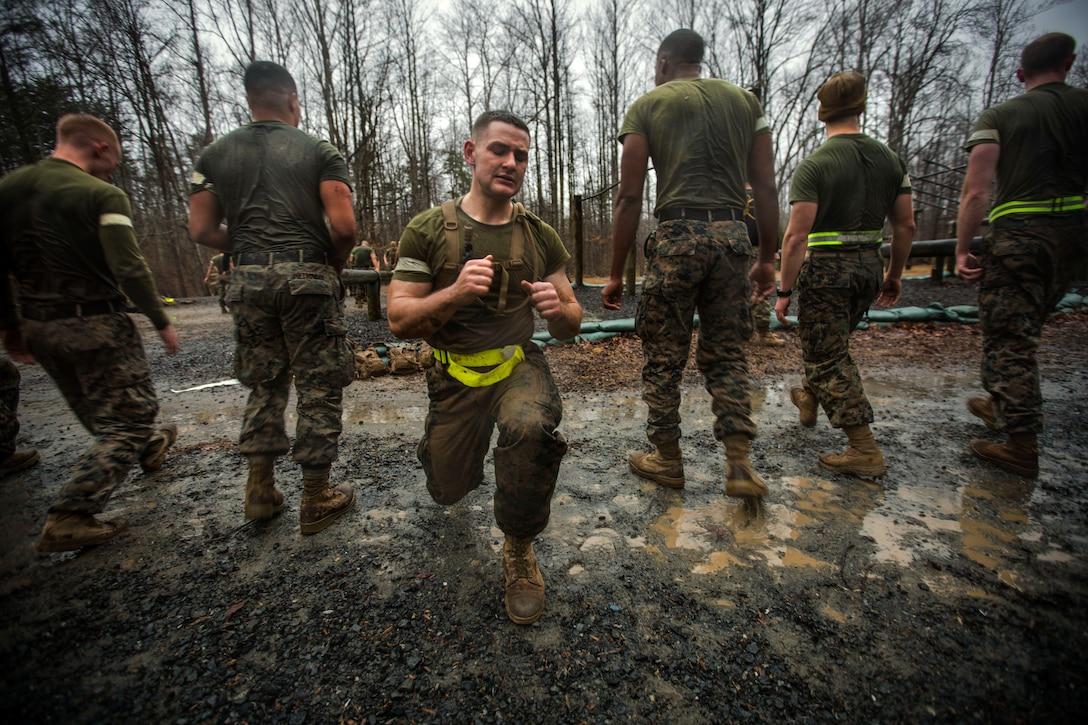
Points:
[[983, 409], [321, 505], [19, 461], [1019, 454], [263, 499], [154, 453], [862, 456], [769, 339], [806, 404], [741, 480], [524, 583], [664, 466], [68, 532]]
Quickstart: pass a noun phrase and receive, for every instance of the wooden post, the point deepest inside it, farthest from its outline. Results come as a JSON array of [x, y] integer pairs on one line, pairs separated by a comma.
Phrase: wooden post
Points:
[[578, 232]]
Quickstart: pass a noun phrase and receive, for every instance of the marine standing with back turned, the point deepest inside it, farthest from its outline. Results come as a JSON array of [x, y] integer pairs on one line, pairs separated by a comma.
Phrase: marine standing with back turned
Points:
[[839, 197], [1036, 146], [707, 138], [290, 224]]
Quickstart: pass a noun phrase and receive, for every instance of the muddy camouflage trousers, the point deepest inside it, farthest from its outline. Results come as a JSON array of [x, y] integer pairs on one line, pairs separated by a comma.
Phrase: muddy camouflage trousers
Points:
[[9, 405], [1025, 273], [696, 266], [527, 409], [99, 365], [834, 291], [289, 323]]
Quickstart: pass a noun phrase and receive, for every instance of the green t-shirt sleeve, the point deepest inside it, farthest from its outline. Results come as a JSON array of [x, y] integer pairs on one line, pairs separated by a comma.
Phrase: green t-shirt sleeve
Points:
[[420, 248], [334, 167], [985, 131], [122, 252], [804, 185], [556, 255]]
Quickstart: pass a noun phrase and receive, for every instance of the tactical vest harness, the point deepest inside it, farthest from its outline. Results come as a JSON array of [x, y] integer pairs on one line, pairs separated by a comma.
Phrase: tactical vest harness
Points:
[[458, 252]]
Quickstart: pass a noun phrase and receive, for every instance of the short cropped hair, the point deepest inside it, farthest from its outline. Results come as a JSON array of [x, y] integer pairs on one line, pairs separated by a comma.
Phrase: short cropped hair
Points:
[[268, 84], [683, 46], [82, 130], [487, 118], [1046, 53]]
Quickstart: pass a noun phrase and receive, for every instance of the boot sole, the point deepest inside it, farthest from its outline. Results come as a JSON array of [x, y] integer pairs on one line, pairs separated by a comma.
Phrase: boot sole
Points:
[[262, 511], [860, 471], [167, 436], [33, 460], [312, 527], [666, 481], [53, 545], [1004, 464]]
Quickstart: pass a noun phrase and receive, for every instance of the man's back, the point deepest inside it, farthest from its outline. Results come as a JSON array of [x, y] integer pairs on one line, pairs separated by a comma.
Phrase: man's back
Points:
[[1043, 135], [699, 133], [267, 176], [51, 214]]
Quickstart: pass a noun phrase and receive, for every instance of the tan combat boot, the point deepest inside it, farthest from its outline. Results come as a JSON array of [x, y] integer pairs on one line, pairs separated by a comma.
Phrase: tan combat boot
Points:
[[806, 404], [1019, 454], [154, 453], [68, 532], [524, 584], [321, 505], [741, 480], [983, 409], [862, 457], [664, 466], [769, 339], [263, 499], [18, 461]]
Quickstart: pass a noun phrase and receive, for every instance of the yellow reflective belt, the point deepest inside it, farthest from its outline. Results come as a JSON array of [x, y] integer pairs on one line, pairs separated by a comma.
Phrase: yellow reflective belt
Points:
[[505, 359], [1046, 206], [827, 239]]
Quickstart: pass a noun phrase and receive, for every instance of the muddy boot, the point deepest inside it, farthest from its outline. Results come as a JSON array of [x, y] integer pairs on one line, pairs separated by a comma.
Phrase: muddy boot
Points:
[[983, 409], [741, 480], [18, 461], [68, 532], [321, 505], [769, 339], [154, 454], [1019, 454], [862, 457], [806, 405], [524, 583], [664, 466], [263, 499]]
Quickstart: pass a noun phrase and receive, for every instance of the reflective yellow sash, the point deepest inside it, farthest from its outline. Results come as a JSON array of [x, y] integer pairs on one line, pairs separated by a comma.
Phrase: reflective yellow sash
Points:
[[828, 239], [1046, 206], [458, 366]]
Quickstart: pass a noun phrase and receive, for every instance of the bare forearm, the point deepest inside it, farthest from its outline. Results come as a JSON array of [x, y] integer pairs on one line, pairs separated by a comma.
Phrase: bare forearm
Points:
[[569, 324], [625, 218]]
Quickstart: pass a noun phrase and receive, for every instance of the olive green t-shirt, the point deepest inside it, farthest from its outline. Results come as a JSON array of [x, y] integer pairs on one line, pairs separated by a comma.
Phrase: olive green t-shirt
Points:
[[267, 175], [68, 238], [699, 133], [854, 180], [360, 257], [474, 327], [1043, 135]]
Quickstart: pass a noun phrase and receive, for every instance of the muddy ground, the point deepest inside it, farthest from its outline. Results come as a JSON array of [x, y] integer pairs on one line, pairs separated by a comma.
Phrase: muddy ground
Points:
[[945, 592]]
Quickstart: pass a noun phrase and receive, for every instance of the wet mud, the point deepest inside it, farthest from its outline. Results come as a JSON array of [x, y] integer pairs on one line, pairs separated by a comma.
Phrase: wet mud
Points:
[[946, 591]]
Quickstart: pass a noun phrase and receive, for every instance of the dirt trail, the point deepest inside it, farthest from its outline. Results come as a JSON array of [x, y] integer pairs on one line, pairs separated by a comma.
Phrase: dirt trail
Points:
[[946, 591]]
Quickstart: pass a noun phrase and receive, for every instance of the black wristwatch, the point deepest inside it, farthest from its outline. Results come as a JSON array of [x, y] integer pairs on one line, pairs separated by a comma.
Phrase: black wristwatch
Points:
[[783, 293]]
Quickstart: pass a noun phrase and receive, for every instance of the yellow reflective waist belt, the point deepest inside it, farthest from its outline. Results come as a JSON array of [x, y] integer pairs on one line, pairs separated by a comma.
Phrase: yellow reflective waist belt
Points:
[[1045, 206], [827, 239], [458, 366]]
